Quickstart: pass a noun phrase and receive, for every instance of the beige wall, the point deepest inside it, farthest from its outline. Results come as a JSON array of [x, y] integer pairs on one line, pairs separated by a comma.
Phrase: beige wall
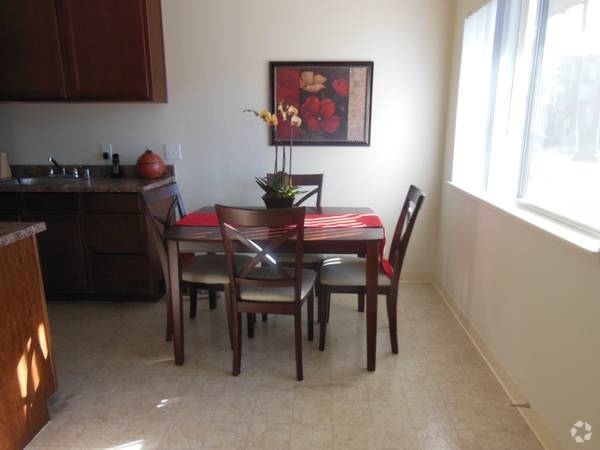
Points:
[[217, 64], [532, 299]]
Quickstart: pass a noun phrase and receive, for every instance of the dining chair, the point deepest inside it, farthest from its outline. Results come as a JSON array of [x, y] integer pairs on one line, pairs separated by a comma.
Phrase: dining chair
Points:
[[263, 285], [314, 184], [348, 274], [206, 271]]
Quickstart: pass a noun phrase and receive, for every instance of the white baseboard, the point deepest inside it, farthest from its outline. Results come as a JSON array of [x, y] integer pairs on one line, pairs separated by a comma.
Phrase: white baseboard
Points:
[[547, 439]]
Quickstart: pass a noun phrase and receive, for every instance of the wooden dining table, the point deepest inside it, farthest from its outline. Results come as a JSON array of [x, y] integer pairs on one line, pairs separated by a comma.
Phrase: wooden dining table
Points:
[[336, 234]]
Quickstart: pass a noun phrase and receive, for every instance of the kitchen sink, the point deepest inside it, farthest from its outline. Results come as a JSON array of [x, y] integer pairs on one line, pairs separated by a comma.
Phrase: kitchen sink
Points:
[[40, 181]]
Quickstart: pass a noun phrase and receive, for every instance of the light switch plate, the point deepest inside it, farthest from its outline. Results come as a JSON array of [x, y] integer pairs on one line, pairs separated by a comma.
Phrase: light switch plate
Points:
[[173, 151]]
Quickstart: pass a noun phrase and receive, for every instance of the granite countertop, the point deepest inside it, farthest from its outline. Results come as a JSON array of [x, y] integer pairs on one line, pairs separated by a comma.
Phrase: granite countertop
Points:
[[34, 179], [15, 231]]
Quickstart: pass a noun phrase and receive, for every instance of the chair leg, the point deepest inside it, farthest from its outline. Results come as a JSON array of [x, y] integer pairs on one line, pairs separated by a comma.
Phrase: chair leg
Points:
[[361, 302], [310, 315], [193, 302], [327, 306], [323, 301], [298, 343], [169, 334], [251, 317], [318, 296], [228, 306], [392, 302], [236, 327], [212, 299]]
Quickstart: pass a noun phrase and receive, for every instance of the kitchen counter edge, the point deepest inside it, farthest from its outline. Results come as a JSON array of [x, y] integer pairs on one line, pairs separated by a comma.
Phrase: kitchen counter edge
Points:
[[93, 185], [15, 231]]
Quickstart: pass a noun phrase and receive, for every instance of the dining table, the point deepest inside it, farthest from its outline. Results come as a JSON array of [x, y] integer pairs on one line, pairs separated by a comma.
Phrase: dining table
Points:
[[328, 230]]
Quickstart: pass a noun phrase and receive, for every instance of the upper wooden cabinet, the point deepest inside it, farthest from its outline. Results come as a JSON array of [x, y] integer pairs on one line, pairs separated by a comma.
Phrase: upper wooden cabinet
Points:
[[30, 51], [82, 50]]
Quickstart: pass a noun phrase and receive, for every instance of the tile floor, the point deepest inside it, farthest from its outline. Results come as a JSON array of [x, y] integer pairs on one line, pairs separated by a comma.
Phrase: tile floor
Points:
[[119, 388]]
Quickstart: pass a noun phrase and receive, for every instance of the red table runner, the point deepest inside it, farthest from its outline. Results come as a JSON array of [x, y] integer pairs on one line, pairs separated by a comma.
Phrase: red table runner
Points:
[[350, 220]]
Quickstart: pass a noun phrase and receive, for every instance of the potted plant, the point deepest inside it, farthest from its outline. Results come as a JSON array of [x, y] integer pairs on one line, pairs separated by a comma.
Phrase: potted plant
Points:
[[279, 193]]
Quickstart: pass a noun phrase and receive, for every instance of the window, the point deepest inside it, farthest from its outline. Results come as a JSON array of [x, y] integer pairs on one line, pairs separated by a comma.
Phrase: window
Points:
[[528, 116]]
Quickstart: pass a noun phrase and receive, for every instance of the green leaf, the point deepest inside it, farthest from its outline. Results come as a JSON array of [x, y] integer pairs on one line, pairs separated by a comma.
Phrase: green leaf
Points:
[[275, 187]]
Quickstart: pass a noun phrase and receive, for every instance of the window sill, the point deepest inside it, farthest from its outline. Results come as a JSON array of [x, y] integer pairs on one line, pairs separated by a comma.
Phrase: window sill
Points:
[[589, 244]]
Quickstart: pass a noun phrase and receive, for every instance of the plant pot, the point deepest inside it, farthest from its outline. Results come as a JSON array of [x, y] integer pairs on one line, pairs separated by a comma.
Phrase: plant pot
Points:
[[278, 202]]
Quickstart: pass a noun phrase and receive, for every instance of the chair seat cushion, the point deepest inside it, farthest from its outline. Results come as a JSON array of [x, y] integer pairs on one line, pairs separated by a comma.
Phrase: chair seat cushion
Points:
[[276, 294], [349, 271], [210, 269]]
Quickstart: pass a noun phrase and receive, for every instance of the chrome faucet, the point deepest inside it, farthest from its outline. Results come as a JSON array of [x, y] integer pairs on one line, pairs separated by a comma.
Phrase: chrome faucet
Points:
[[61, 169]]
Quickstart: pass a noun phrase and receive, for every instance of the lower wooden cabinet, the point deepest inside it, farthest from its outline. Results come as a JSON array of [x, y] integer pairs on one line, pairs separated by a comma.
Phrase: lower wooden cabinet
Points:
[[121, 259], [62, 254], [9, 207], [121, 274], [96, 245], [116, 233]]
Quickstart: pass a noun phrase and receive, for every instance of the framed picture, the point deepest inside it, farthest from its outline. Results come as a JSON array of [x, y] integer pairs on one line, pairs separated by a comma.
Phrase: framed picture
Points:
[[333, 100]]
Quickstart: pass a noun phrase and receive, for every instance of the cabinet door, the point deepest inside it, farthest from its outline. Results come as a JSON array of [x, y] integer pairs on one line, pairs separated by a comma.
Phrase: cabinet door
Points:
[[61, 252], [122, 274], [30, 51], [9, 207], [121, 266], [114, 223], [61, 245], [116, 233], [115, 49]]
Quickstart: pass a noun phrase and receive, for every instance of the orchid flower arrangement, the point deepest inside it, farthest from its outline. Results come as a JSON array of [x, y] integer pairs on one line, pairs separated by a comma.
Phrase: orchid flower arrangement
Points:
[[286, 114]]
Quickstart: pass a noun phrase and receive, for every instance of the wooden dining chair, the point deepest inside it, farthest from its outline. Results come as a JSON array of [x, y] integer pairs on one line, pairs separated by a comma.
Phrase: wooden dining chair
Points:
[[263, 285], [348, 274], [313, 182], [207, 271]]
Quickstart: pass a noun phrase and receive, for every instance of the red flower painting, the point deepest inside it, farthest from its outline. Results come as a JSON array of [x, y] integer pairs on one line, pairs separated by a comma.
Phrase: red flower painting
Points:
[[333, 100], [341, 87], [320, 115]]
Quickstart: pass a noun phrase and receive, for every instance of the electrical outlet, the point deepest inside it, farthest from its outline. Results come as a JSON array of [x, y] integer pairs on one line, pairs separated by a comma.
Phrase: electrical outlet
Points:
[[173, 151], [106, 151]]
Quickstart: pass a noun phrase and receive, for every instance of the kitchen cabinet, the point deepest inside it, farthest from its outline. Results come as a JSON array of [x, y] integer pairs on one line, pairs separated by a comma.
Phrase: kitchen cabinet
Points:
[[96, 245], [9, 207], [120, 256], [82, 50], [30, 51], [63, 259]]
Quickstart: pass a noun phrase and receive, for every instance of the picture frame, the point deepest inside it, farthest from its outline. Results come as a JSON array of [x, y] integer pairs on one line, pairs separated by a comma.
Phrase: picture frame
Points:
[[333, 100]]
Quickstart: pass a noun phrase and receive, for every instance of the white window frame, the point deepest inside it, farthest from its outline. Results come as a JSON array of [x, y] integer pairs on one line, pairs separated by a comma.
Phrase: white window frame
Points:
[[512, 128], [521, 200]]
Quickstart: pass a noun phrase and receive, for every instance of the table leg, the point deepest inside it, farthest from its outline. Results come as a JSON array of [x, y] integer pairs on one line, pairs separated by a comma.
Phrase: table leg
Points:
[[372, 272], [175, 299]]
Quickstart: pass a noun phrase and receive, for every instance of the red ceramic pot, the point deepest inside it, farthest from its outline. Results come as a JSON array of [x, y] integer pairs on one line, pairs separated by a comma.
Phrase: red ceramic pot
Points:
[[150, 165]]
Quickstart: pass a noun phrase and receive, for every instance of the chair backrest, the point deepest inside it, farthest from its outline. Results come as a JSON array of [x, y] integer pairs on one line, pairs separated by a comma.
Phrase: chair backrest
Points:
[[261, 232], [408, 215], [163, 205], [312, 180]]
